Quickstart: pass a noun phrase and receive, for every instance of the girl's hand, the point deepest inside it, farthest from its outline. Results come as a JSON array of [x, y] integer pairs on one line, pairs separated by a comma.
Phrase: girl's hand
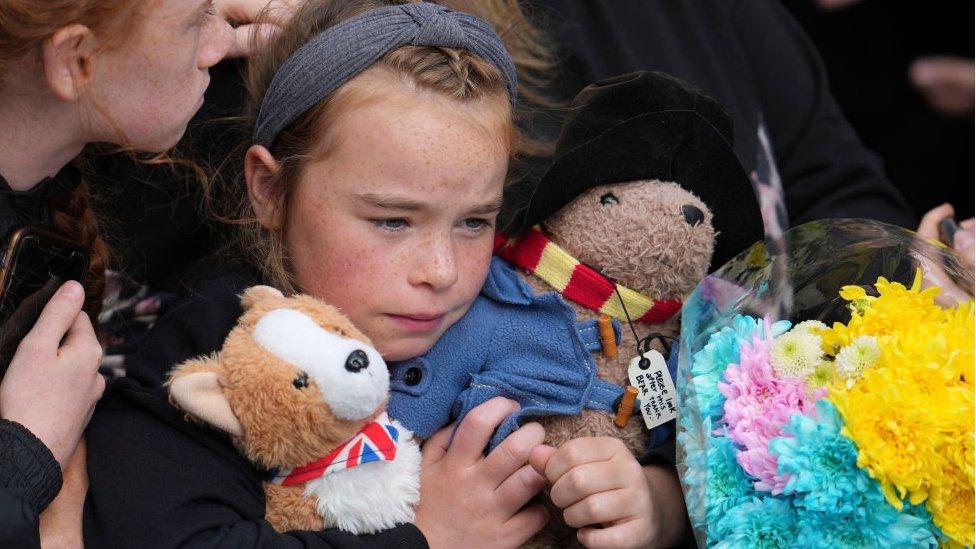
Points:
[[597, 481], [51, 385], [469, 500]]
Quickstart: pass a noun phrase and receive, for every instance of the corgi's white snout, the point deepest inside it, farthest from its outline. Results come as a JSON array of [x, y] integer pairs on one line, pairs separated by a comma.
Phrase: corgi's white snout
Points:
[[351, 375]]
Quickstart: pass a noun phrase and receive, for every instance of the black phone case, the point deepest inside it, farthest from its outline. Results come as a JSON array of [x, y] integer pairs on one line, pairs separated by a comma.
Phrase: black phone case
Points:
[[35, 264]]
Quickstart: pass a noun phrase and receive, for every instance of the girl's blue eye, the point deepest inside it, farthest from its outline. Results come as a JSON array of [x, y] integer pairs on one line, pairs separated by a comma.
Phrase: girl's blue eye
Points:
[[476, 223], [391, 224]]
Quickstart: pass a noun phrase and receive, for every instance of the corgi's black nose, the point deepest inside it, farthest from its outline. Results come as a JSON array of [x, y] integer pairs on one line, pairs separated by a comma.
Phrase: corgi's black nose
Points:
[[692, 214], [356, 361]]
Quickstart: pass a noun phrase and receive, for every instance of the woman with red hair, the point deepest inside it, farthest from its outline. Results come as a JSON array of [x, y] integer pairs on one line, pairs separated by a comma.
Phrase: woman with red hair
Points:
[[73, 72]]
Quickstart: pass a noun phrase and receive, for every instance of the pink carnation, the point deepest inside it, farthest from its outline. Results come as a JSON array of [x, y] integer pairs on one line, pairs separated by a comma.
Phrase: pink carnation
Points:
[[757, 405]]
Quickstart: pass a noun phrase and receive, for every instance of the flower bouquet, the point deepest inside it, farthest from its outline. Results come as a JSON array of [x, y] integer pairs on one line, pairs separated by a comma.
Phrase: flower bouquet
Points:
[[826, 394]]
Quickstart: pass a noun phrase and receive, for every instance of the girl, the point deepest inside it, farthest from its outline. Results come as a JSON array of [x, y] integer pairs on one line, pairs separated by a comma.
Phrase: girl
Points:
[[428, 129], [75, 72], [382, 138]]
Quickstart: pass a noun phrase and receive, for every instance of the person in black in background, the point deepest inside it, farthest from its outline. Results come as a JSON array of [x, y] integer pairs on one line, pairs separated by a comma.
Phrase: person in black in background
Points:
[[755, 59], [903, 75]]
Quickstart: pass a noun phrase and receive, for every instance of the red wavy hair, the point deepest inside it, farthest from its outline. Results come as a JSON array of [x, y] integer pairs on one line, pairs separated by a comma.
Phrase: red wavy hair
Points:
[[24, 26]]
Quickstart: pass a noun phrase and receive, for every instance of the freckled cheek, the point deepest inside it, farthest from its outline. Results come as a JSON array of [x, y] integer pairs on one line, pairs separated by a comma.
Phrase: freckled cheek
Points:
[[342, 267], [473, 260]]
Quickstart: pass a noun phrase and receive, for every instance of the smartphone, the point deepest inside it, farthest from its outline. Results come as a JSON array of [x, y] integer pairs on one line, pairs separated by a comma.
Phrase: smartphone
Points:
[[36, 263], [947, 230]]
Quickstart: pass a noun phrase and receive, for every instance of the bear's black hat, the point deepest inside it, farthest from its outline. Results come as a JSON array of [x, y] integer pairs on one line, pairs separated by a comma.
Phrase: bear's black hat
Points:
[[649, 125]]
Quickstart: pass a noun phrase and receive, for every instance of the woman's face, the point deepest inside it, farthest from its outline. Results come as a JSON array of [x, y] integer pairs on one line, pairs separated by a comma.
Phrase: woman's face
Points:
[[152, 84], [395, 225]]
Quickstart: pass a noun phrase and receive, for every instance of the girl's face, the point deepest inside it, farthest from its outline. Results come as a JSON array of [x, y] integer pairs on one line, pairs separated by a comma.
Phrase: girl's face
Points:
[[153, 84], [395, 225]]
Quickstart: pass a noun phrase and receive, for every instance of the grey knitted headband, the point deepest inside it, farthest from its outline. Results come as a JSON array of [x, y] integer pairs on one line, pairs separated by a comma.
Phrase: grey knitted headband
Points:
[[339, 53]]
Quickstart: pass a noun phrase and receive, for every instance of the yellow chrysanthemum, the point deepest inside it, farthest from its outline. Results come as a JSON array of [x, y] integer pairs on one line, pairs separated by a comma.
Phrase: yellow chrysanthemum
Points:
[[893, 311], [911, 412], [951, 507], [896, 433]]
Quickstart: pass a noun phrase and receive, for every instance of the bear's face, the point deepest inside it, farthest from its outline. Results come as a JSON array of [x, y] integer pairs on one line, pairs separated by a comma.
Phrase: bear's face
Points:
[[298, 377], [651, 236]]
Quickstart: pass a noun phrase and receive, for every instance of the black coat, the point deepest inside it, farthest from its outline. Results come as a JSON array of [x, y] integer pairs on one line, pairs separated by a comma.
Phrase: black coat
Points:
[[30, 478]]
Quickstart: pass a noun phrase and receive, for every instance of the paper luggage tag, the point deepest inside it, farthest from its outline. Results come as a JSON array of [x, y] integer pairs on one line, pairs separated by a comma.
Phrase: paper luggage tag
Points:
[[655, 389]]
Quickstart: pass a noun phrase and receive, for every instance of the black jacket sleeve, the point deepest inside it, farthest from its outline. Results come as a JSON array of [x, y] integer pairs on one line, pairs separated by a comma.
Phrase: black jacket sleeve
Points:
[[826, 170], [157, 480], [30, 478]]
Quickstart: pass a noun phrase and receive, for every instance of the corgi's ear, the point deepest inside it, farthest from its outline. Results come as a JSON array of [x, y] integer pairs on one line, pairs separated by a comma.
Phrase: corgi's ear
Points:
[[255, 294], [195, 388]]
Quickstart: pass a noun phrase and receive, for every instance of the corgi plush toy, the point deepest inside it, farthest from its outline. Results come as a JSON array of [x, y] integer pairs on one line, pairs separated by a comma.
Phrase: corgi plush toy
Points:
[[303, 394]]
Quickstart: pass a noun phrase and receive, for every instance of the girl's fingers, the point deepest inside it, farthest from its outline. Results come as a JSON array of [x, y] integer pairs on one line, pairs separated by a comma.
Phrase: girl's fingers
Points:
[[578, 451], [539, 457], [521, 487], [525, 524], [476, 428], [436, 446], [584, 480], [599, 508], [624, 534], [513, 452]]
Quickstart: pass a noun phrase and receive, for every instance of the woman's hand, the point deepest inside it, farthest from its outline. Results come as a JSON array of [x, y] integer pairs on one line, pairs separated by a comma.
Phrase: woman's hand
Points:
[[52, 383], [242, 14], [962, 243], [597, 481], [469, 500]]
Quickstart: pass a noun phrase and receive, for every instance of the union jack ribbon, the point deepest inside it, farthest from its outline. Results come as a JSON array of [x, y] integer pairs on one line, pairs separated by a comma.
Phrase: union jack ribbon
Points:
[[376, 441]]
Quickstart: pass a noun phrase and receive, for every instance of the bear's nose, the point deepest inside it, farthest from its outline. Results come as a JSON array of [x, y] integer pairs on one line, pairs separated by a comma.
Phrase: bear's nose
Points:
[[692, 214], [356, 361]]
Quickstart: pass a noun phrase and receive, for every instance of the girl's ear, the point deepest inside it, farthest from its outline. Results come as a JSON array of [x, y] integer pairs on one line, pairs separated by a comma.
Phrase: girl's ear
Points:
[[260, 171], [68, 61]]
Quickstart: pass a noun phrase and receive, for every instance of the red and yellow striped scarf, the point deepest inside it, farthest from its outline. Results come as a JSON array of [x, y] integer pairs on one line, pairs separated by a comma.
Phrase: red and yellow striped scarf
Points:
[[535, 253]]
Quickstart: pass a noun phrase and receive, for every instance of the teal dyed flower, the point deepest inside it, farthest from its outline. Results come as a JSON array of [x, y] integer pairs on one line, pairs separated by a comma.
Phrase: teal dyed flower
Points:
[[820, 462], [692, 438], [919, 511], [875, 524], [728, 485], [837, 503], [707, 396], [757, 524]]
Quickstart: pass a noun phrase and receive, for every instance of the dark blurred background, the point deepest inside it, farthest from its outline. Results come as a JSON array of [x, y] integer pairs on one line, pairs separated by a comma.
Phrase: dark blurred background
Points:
[[868, 48]]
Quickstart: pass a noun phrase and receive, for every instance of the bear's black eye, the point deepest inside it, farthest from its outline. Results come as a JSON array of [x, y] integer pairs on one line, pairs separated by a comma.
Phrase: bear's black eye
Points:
[[300, 381], [609, 198], [692, 214]]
